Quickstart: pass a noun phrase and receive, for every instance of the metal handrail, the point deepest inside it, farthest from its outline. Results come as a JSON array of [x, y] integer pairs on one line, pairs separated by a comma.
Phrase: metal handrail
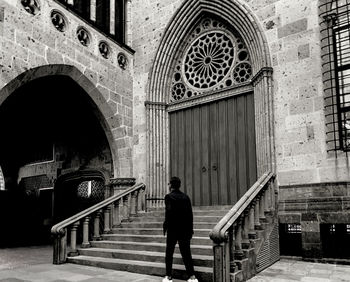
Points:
[[219, 232], [59, 227]]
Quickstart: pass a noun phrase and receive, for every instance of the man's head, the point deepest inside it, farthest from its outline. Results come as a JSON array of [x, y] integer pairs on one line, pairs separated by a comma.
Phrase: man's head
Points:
[[175, 183]]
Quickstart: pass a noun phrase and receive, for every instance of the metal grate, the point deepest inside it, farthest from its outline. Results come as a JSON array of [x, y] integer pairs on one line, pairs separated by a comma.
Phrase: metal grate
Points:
[[335, 44], [269, 252]]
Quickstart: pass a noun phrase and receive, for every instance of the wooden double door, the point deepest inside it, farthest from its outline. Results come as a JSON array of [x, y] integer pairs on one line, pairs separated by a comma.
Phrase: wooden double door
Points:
[[212, 150]]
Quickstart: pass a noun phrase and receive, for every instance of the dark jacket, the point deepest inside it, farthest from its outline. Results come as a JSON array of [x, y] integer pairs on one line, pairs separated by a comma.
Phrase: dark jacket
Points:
[[178, 215]]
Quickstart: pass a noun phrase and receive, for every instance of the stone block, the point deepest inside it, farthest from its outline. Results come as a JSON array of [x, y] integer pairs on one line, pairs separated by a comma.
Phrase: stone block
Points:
[[266, 12], [119, 132], [46, 38], [301, 106], [298, 176], [311, 237], [115, 121], [292, 28], [289, 218], [334, 217], [82, 59], [295, 206], [110, 84], [104, 92], [14, 49], [309, 216], [304, 51], [91, 75], [127, 102], [115, 97], [332, 204], [30, 43]]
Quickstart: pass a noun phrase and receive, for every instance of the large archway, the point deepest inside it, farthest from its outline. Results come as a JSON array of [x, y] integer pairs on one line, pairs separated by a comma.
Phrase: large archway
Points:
[[51, 126], [238, 18]]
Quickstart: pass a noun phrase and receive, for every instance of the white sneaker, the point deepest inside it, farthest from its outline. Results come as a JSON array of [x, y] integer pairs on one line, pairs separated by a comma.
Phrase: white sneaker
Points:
[[192, 280], [166, 279]]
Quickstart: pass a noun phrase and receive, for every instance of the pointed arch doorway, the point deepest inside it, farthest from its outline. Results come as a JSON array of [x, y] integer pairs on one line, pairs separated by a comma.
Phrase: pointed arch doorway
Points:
[[211, 125], [197, 91]]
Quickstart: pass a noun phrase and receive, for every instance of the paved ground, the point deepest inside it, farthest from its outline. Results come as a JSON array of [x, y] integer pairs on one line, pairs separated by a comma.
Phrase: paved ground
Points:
[[34, 264], [293, 271]]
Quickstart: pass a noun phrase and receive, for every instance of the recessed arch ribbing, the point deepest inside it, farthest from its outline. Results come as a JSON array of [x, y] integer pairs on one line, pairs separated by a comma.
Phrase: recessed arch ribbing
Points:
[[237, 15]]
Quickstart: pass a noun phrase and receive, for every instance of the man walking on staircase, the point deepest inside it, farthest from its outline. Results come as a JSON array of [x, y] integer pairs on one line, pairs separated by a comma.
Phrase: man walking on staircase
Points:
[[178, 225]]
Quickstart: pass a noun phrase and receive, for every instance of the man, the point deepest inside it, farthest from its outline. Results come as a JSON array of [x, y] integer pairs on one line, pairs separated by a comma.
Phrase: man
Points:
[[178, 225]]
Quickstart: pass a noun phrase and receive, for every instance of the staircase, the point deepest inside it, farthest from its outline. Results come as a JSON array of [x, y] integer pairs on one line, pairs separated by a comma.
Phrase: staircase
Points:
[[229, 243], [138, 245]]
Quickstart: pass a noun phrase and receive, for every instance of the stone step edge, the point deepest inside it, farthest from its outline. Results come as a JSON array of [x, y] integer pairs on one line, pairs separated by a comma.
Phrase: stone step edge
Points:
[[148, 236], [153, 229], [147, 253], [137, 262], [145, 243]]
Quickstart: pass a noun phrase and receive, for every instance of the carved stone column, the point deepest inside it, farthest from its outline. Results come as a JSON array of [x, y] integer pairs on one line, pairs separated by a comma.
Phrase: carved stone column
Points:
[[86, 242]]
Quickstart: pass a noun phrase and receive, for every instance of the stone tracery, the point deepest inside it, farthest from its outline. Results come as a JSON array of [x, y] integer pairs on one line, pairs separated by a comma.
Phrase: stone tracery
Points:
[[214, 58]]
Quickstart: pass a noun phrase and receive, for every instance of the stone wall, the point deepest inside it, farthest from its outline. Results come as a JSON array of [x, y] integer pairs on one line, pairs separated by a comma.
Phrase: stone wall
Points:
[[312, 205], [293, 37], [30, 41]]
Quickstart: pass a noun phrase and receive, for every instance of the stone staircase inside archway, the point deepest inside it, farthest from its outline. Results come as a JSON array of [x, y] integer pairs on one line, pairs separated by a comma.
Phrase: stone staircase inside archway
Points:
[[138, 245]]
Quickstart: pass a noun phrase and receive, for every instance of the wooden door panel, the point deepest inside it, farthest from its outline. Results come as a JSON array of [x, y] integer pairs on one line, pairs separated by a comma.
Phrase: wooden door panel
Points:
[[205, 148], [212, 150]]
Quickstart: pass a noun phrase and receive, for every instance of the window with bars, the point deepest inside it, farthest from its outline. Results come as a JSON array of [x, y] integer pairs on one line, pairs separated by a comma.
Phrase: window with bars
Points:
[[101, 14], [335, 46]]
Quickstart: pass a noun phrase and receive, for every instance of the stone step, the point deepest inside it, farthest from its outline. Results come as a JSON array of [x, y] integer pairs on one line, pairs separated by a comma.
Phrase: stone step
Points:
[[150, 246], [206, 218], [159, 224], [156, 231], [151, 238], [220, 213], [198, 260], [146, 267]]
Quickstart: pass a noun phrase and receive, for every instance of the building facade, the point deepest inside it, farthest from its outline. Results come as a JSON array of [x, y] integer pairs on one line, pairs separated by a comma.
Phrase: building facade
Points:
[[216, 92]]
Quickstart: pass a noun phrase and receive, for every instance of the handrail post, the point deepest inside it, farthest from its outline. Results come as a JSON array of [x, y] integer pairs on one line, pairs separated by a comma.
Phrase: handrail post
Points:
[[252, 233], [116, 217], [222, 260], [262, 207], [73, 240], [126, 208], [231, 240], [86, 242], [107, 226], [257, 224], [60, 247], [238, 242], [245, 231], [97, 235], [266, 197], [134, 203]]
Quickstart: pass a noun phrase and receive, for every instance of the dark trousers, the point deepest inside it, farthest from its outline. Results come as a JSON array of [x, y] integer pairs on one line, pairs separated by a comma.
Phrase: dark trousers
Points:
[[185, 249]]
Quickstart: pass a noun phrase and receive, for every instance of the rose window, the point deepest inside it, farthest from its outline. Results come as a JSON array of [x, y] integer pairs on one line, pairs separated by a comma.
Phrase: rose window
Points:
[[208, 60], [214, 58]]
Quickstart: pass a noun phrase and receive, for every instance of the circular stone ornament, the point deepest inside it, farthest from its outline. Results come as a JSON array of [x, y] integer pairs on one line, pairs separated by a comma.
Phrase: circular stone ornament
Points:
[[58, 20], [122, 60], [31, 6], [208, 60], [83, 36], [104, 49]]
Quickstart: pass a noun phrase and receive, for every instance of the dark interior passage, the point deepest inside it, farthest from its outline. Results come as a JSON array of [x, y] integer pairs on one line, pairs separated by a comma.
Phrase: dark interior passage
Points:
[[48, 127]]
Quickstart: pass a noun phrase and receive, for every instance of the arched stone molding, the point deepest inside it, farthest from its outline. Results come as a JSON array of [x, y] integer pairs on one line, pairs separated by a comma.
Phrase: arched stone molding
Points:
[[101, 109], [239, 16]]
